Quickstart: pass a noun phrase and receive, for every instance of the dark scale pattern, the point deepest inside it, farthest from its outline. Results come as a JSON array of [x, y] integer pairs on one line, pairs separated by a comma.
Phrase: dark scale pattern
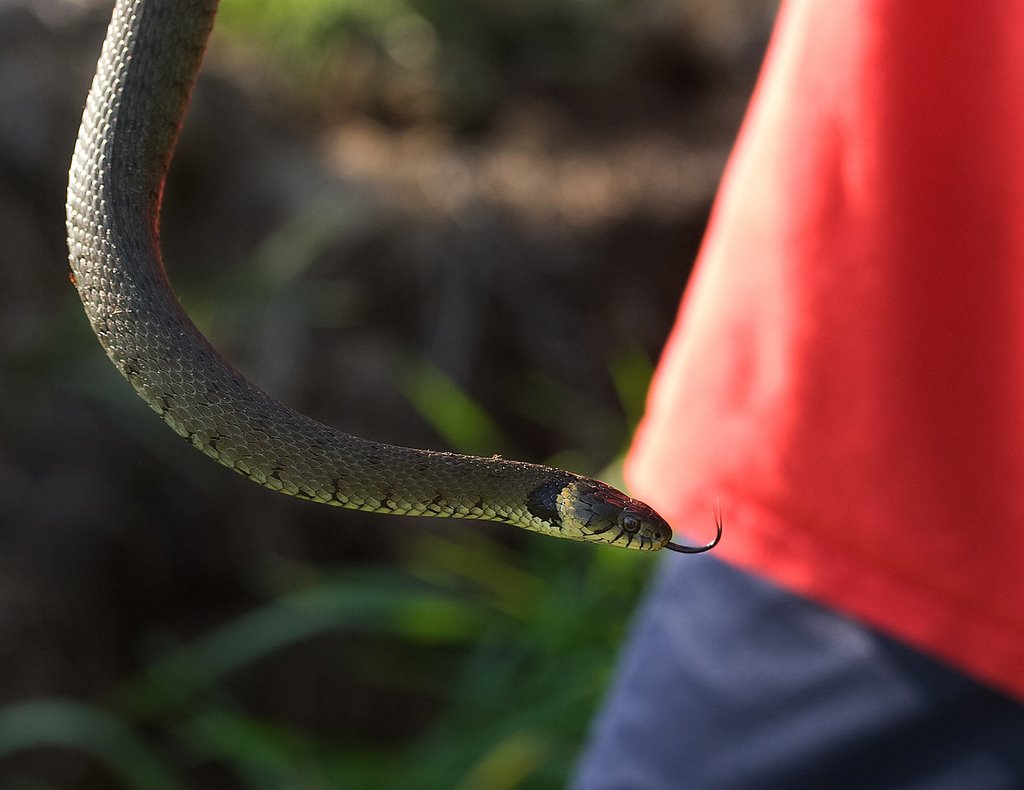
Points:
[[542, 501], [138, 98]]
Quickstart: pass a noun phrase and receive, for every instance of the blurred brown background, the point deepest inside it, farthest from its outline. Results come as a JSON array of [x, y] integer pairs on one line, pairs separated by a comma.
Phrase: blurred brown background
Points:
[[458, 224]]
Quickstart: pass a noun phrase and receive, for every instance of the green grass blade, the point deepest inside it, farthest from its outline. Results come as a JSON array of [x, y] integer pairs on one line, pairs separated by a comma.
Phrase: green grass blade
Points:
[[60, 722]]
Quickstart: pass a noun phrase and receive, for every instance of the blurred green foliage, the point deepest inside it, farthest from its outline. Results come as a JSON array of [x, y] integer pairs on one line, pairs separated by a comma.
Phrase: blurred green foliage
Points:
[[303, 32], [531, 641], [456, 52]]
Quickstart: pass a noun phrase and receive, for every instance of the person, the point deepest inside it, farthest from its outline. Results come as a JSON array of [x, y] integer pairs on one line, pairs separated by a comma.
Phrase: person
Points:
[[847, 377]]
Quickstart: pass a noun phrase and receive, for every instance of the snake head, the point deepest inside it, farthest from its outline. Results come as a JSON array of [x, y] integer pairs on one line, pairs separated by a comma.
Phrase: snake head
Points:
[[605, 515]]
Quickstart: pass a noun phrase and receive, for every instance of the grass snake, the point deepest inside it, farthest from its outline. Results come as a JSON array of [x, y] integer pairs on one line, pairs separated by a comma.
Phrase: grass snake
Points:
[[135, 108]]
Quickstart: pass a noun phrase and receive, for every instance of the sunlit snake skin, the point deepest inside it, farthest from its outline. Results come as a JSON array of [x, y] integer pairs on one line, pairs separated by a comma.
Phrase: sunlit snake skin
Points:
[[132, 116]]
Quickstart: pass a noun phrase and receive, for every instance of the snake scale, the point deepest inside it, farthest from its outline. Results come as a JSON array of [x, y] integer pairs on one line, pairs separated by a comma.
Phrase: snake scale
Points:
[[135, 108]]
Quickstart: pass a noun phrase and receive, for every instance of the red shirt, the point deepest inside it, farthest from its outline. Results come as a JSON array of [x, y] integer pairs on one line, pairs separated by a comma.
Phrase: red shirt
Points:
[[847, 371]]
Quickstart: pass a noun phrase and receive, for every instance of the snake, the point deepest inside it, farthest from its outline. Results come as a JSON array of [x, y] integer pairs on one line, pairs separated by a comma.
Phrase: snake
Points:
[[134, 111]]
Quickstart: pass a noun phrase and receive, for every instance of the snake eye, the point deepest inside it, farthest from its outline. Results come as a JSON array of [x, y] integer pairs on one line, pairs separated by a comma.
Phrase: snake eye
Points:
[[630, 523]]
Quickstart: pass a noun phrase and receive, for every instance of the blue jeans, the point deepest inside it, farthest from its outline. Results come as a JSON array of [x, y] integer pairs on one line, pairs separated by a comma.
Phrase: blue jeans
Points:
[[730, 682]]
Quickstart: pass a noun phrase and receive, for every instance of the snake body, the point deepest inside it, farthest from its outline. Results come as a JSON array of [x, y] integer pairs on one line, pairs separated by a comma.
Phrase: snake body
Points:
[[145, 74]]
